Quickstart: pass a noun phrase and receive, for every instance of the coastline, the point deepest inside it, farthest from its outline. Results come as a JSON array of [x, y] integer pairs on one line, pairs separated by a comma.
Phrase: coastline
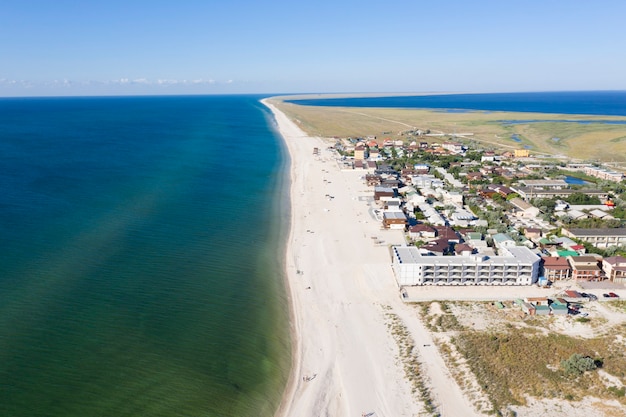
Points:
[[341, 292]]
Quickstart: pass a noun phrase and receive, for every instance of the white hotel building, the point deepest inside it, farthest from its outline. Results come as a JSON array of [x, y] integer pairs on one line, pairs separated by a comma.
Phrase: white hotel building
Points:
[[514, 266]]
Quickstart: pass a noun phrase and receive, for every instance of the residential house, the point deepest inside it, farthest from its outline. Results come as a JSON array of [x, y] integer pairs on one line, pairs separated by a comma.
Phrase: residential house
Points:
[[373, 179], [533, 233], [359, 152], [614, 268], [524, 209], [585, 268], [502, 240], [438, 247], [380, 191], [422, 231], [393, 219], [556, 268], [463, 249], [448, 233]]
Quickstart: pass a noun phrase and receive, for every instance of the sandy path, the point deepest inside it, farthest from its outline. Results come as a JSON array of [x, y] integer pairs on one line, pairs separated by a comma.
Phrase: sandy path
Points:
[[340, 285]]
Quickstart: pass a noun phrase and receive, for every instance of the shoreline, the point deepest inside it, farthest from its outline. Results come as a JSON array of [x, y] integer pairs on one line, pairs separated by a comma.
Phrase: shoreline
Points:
[[341, 292]]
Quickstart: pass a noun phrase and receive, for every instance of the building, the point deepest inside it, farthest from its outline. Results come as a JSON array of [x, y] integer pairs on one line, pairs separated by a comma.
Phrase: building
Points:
[[603, 174], [546, 184], [523, 209], [359, 152], [528, 193], [614, 268], [380, 191], [559, 307], [515, 266], [600, 238], [453, 147], [422, 231], [394, 220], [585, 268], [556, 268], [522, 153], [502, 240]]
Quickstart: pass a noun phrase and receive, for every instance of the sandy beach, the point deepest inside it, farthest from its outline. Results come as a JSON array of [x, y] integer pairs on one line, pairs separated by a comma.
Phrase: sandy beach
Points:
[[342, 292]]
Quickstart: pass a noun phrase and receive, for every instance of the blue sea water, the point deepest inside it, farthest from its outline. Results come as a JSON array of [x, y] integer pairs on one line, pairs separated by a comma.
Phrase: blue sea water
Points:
[[141, 259], [607, 103]]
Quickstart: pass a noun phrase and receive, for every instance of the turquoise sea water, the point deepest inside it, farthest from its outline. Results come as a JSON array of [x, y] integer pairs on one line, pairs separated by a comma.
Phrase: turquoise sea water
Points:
[[141, 267]]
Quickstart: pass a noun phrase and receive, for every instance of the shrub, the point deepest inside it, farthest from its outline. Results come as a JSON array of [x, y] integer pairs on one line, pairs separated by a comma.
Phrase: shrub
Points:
[[578, 364]]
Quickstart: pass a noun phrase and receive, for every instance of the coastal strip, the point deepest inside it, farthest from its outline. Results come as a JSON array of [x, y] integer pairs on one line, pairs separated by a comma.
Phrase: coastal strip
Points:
[[346, 361]]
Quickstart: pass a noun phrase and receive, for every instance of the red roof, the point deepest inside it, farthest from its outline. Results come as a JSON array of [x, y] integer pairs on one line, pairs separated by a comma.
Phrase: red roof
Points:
[[555, 262]]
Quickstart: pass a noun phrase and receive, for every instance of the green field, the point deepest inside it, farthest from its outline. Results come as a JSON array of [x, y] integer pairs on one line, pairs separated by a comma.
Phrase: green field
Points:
[[597, 142]]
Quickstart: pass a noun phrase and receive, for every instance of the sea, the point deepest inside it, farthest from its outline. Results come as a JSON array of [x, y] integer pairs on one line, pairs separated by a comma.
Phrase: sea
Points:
[[605, 103], [141, 257]]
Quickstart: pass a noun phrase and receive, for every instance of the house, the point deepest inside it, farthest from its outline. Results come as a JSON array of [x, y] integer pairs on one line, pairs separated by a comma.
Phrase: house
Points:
[[380, 191], [463, 249], [438, 247], [359, 152], [585, 268], [373, 179], [522, 153], [502, 240], [523, 209], [556, 268], [448, 233], [474, 176], [422, 231], [393, 219], [453, 147], [533, 233], [421, 168], [614, 268]]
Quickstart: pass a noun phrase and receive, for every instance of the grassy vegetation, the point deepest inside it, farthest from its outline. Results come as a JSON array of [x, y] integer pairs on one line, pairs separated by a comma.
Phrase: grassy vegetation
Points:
[[511, 363], [410, 361], [594, 141]]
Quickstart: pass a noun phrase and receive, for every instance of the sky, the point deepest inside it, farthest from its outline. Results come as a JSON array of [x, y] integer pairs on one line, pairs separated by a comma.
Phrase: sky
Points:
[[130, 47]]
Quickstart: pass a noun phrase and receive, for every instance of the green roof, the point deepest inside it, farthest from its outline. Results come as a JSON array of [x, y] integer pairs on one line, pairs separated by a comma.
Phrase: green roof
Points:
[[565, 253]]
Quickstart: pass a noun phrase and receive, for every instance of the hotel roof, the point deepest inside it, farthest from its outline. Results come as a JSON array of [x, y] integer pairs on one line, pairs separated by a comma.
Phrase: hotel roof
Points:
[[514, 255]]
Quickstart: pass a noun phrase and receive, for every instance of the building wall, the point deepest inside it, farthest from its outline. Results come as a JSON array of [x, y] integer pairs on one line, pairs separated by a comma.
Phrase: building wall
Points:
[[460, 270]]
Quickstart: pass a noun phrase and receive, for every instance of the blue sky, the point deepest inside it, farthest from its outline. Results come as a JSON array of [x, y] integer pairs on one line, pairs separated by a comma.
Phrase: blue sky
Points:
[[241, 46]]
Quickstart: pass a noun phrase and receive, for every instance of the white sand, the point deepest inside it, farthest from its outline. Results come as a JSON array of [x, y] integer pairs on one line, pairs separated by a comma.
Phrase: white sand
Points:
[[341, 285]]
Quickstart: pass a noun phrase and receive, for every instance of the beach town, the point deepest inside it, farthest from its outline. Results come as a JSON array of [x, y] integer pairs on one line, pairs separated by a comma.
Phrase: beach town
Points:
[[382, 255]]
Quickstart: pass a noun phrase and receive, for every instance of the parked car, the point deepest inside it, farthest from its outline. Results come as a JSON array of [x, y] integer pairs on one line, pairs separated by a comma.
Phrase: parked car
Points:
[[606, 296], [613, 295]]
